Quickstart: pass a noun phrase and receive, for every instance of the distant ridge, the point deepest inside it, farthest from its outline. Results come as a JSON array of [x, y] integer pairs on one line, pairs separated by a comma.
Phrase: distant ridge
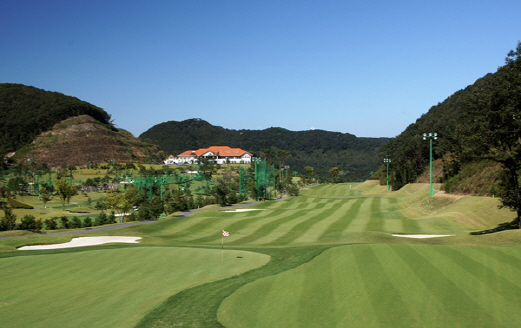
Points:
[[319, 149]]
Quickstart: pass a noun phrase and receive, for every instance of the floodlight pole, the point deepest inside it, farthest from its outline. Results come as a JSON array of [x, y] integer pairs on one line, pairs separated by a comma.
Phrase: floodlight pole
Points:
[[431, 136], [387, 161]]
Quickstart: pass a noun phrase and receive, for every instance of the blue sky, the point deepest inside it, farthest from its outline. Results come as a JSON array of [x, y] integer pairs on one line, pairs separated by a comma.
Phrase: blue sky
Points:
[[369, 68]]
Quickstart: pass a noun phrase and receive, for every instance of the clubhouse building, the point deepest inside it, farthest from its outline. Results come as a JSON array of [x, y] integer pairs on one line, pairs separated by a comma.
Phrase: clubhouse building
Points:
[[217, 154]]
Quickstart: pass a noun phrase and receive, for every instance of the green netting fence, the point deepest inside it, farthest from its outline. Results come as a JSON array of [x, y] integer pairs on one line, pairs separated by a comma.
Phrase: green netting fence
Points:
[[263, 178]]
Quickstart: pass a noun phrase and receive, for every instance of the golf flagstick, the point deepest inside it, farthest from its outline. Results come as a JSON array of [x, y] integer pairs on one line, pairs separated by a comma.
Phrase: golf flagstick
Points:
[[224, 234]]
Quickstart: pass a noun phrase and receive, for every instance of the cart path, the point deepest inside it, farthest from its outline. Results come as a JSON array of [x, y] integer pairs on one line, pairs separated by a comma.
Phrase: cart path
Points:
[[128, 224]]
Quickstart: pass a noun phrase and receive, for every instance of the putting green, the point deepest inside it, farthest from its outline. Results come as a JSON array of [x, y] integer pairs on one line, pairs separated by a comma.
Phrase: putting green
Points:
[[107, 287], [386, 285]]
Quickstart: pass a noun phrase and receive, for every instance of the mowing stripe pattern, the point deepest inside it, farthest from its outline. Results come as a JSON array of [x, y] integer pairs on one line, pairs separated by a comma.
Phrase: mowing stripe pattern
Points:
[[386, 285], [327, 214]]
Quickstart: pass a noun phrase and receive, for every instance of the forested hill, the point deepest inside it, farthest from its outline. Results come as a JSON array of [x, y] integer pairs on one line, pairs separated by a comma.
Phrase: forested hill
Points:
[[355, 157], [26, 111], [479, 123]]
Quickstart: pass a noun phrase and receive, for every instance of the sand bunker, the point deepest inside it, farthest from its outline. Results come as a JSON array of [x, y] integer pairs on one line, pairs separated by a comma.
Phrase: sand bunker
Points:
[[244, 210], [420, 236], [84, 241]]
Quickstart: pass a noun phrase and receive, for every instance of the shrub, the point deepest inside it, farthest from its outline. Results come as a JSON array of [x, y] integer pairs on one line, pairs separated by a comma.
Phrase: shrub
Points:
[[478, 178], [101, 204], [231, 198], [38, 225], [143, 213], [87, 222], [50, 224], [241, 198], [75, 223], [191, 203], [293, 190], [200, 201], [111, 218], [65, 222], [101, 219], [28, 223], [132, 217]]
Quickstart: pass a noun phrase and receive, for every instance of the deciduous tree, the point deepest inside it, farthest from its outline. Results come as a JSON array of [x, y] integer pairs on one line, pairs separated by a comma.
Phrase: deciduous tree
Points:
[[65, 191]]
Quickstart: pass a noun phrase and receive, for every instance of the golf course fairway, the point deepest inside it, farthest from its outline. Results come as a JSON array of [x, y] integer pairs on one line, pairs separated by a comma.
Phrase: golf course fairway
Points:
[[386, 285], [327, 258]]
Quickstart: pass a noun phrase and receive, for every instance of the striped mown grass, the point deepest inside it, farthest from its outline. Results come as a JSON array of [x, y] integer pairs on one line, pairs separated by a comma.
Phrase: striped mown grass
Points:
[[314, 219], [334, 263], [386, 285]]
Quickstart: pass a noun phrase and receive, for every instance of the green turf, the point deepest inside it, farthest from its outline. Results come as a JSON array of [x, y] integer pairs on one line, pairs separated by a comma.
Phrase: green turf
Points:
[[106, 287], [386, 286], [334, 263]]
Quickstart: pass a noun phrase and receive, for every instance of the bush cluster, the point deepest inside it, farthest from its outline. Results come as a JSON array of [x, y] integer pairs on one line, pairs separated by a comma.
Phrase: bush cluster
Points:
[[65, 222]]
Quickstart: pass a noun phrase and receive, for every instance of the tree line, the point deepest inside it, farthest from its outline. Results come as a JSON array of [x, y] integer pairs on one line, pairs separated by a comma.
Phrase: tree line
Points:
[[138, 201], [479, 123], [318, 148]]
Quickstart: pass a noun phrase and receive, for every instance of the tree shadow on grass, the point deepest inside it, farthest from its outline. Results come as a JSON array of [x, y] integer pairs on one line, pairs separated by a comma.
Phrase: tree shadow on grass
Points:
[[512, 225]]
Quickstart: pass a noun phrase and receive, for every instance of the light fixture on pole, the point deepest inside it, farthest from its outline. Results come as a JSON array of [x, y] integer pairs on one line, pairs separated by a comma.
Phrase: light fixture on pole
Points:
[[430, 136], [387, 161]]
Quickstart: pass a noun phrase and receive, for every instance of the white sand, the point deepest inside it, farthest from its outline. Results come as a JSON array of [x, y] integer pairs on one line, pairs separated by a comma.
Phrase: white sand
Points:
[[84, 241], [244, 210], [421, 236]]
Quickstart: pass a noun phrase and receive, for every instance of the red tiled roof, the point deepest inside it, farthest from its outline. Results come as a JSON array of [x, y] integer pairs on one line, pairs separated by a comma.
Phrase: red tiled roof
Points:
[[217, 150]]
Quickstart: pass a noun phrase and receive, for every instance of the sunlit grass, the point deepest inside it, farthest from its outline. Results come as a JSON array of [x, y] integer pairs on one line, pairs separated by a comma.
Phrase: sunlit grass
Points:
[[335, 261]]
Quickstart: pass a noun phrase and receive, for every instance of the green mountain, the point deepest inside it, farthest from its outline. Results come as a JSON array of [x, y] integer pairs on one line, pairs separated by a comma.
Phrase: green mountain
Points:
[[477, 128], [355, 157]]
